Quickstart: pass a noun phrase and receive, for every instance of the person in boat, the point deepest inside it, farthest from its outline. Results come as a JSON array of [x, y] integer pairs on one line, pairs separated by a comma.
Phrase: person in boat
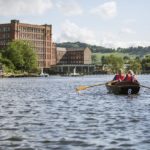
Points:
[[130, 76], [119, 76]]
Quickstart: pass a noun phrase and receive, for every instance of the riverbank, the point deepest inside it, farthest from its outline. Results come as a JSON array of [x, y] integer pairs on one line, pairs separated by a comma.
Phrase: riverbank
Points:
[[12, 75]]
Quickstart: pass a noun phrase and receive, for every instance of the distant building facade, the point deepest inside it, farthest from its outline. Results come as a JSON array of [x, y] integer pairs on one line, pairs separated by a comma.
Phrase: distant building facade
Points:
[[70, 60], [74, 56], [39, 35], [61, 55]]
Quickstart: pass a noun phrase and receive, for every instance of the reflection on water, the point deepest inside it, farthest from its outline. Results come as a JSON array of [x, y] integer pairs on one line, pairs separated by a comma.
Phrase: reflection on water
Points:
[[47, 113]]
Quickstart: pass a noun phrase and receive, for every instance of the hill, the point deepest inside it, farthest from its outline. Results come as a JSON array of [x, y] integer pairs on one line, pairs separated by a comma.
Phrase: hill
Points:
[[138, 51], [94, 48]]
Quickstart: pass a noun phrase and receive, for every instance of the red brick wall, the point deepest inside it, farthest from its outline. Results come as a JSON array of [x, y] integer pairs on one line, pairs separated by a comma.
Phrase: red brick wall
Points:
[[39, 35]]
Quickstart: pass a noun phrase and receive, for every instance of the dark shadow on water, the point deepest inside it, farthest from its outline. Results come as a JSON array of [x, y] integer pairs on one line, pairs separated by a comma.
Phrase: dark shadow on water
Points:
[[97, 93]]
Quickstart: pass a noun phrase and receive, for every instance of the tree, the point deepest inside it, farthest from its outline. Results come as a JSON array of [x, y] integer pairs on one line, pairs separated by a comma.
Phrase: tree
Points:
[[6, 64], [29, 58], [135, 65], [21, 54], [13, 52], [146, 63], [114, 63], [126, 59], [104, 60], [94, 59]]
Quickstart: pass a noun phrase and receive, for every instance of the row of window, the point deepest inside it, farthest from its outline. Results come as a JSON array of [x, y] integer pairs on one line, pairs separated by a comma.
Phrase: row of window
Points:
[[24, 29], [5, 29], [70, 58], [40, 44], [34, 37], [29, 29], [75, 57], [35, 45], [41, 56], [4, 42], [5, 36], [31, 36], [40, 50], [70, 62]]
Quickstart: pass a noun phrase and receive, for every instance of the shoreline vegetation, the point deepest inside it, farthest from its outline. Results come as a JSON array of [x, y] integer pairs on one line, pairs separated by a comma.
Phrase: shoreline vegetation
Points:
[[13, 75], [26, 75], [110, 59], [19, 59]]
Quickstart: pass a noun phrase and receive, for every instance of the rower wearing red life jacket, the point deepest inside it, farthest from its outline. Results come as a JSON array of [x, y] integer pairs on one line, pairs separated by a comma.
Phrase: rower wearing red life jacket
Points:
[[120, 76], [130, 76]]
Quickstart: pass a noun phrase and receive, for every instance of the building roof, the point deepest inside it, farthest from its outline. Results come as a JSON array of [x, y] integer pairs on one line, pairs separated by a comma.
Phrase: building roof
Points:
[[61, 49], [70, 49], [75, 49], [27, 24]]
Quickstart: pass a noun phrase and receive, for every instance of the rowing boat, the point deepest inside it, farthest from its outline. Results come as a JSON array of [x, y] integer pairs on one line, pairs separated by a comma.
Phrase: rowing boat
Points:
[[123, 87]]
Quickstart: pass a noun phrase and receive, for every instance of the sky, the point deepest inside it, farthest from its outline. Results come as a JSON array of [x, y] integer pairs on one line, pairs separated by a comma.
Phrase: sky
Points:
[[108, 23]]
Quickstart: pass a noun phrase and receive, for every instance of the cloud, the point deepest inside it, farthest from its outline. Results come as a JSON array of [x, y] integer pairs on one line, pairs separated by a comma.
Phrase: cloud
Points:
[[24, 7], [69, 8], [108, 39], [129, 21], [106, 10], [123, 44], [138, 43], [73, 33], [127, 30], [112, 40]]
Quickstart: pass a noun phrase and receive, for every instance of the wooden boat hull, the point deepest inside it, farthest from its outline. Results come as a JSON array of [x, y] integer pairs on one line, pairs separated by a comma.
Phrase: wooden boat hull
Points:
[[123, 87]]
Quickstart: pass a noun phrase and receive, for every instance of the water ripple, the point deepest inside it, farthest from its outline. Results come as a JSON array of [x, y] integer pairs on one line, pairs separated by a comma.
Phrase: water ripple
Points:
[[47, 114]]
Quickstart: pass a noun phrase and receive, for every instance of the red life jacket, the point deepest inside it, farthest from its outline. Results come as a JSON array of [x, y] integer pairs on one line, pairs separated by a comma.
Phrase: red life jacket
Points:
[[129, 78], [119, 77]]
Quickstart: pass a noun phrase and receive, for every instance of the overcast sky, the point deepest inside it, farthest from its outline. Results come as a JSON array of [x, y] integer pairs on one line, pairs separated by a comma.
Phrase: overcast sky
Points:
[[109, 23]]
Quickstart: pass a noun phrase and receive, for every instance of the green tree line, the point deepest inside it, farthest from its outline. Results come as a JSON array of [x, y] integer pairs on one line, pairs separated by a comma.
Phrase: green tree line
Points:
[[113, 63], [19, 56]]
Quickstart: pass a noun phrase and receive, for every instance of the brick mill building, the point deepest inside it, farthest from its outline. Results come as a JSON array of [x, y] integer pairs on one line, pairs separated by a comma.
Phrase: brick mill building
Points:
[[69, 59], [62, 60], [39, 35], [73, 55]]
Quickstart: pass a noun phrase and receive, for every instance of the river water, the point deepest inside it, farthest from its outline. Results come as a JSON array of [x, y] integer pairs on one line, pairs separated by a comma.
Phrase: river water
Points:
[[47, 114]]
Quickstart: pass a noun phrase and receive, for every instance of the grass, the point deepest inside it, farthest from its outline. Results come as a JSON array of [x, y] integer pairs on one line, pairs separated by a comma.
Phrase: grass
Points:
[[99, 55]]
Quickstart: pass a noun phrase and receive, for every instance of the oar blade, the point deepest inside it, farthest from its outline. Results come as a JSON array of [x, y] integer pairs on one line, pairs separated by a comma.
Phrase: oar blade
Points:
[[81, 88]]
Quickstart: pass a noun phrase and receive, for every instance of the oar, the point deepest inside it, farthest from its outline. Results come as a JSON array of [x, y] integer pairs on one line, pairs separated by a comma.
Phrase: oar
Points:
[[145, 86], [82, 87]]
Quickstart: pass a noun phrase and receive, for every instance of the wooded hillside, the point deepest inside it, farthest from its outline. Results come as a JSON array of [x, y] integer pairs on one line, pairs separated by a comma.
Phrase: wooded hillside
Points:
[[139, 51]]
